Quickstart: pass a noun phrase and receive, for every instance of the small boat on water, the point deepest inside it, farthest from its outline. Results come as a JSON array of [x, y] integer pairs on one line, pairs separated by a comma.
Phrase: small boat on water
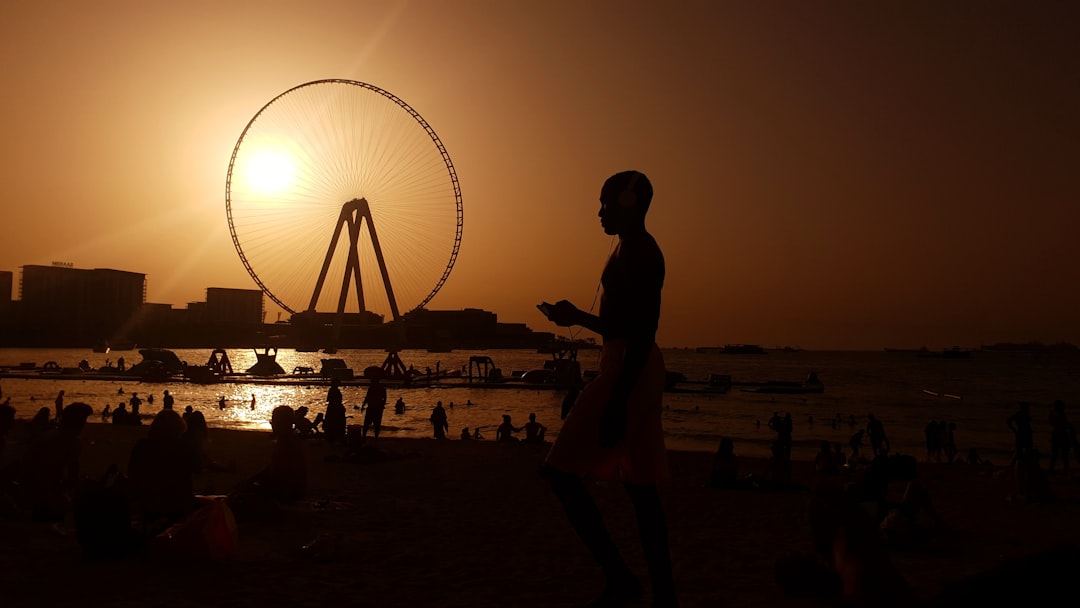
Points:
[[811, 385], [732, 349], [949, 353]]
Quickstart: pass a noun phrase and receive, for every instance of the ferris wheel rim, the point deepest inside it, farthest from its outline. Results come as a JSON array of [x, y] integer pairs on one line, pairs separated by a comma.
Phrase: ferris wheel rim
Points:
[[452, 172]]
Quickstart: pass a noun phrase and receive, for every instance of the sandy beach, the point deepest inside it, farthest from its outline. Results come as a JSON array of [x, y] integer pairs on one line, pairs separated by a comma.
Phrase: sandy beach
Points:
[[454, 523]]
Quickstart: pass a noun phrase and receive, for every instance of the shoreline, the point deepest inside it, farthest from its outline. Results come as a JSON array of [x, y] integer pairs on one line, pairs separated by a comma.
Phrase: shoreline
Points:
[[471, 523]]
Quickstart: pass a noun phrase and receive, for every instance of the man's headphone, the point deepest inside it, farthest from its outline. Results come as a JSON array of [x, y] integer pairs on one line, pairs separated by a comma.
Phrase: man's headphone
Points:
[[628, 198]]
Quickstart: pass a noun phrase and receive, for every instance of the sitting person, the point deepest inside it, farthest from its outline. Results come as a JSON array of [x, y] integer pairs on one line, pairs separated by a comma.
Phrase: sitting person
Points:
[[725, 467], [506, 430], [50, 469], [534, 431], [777, 474], [825, 461], [285, 478], [850, 561], [465, 436], [1032, 484], [161, 473], [120, 414], [304, 427]]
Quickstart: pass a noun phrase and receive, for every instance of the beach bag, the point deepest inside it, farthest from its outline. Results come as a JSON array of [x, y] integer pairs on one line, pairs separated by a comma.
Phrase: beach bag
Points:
[[208, 534]]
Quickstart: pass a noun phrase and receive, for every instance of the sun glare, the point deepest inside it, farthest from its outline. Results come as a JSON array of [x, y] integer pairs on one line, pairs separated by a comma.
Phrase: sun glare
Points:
[[270, 171]]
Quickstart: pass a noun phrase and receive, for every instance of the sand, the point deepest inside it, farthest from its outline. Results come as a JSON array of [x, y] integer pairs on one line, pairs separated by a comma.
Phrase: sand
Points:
[[453, 523]]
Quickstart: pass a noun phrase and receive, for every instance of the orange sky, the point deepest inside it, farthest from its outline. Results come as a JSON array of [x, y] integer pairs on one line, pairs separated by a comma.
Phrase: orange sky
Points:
[[856, 176]]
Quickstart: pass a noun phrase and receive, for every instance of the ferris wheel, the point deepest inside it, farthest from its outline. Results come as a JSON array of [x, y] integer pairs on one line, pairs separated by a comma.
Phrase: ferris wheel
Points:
[[341, 198]]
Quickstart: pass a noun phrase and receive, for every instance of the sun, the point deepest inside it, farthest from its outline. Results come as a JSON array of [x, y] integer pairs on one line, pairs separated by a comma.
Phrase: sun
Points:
[[270, 171]]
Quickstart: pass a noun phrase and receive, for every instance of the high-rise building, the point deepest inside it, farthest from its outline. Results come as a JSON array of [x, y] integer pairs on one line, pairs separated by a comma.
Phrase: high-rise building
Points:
[[234, 306], [75, 306]]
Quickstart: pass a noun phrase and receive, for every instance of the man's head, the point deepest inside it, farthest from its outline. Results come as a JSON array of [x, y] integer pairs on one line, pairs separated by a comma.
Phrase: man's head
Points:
[[624, 200]]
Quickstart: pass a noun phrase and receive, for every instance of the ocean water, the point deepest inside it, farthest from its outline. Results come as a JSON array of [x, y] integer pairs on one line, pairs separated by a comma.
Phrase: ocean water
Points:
[[903, 390]]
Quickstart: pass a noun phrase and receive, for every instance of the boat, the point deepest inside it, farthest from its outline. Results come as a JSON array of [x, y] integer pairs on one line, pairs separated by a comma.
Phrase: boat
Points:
[[676, 382], [811, 385], [732, 349], [949, 353], [157, 365]]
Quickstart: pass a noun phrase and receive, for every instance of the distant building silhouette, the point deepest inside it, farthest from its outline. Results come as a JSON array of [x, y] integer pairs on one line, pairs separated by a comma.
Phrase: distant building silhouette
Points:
[[63, 306]]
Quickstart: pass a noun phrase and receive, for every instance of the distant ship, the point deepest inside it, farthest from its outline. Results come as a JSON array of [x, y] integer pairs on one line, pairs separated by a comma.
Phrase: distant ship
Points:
[[732, 349]]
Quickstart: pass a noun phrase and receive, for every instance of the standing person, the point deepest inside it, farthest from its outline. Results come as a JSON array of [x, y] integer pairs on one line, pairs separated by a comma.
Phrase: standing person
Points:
[[374, 401], [133, 414], [253, 402], [334, 421], [613, 430], [1020, 424], [59, 405], [1061, 435], [167, 401], [439, 422], [875, 432]]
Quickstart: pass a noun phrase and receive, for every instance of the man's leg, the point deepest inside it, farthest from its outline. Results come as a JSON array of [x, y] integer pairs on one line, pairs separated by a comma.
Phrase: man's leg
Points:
[[585, 518], [652, 527]]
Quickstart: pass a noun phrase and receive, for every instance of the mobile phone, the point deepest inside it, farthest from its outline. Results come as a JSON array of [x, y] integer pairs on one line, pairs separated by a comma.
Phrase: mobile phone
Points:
[[545, 308]]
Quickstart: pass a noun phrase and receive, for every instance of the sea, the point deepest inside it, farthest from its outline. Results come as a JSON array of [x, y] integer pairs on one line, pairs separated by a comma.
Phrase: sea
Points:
[[902, 389]]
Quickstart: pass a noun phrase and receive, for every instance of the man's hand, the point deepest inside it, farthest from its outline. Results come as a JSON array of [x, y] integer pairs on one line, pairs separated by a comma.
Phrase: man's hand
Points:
[[563, 313]]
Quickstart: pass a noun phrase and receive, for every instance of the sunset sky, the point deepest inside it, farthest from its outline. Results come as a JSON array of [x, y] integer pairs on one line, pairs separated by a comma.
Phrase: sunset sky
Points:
[[827, 174]]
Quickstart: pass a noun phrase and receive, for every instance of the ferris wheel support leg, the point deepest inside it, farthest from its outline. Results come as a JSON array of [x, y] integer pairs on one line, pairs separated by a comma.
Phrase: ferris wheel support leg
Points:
[[382, 263]]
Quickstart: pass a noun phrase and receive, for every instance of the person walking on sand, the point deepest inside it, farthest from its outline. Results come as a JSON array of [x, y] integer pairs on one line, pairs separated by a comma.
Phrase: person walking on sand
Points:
[[439, 422], [613, 430]]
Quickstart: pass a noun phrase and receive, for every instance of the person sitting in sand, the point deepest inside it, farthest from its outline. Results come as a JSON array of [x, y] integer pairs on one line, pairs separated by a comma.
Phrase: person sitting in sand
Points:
[[399, 406], [839, 457], [825, 460], [725, 465], [506, 430], [161, 473], [777, 475], [850, 562], [41, 423], [50, 469], [974, 458], [534, 431], [855, 443], [285, 477], [465, 436], [1032, 484], [106, 413], [120, 414], [304, 427]]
